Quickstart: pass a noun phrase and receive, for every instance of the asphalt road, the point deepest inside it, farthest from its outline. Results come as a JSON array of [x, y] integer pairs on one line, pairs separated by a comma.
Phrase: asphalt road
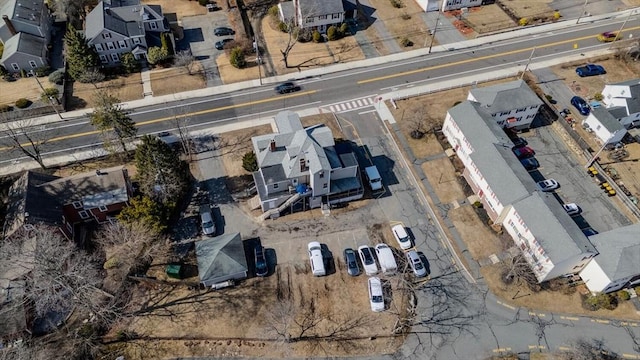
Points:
[[337, 87]]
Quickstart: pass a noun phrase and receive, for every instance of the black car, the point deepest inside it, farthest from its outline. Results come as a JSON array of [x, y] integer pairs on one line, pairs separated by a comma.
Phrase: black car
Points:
[[530, 163], [351, 261], [222, 31], [220, 44], [519, 142], [287, 88], [261, 262]]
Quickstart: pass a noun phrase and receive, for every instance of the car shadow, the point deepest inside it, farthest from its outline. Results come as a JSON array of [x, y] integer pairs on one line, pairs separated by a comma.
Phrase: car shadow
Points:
[[328, 259], [425, 261], [387, 293]]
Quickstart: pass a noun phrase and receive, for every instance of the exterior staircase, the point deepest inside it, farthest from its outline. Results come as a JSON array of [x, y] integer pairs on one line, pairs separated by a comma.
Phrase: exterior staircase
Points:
[[295, 197], [254, 202]]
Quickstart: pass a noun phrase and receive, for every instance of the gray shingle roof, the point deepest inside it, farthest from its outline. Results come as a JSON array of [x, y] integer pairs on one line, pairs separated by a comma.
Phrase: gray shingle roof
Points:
[[126, 21], [506, 96], [221, 258], [606, 119], [24, 43], [634, 86], [619, 251], [310, 8], [27, 11]]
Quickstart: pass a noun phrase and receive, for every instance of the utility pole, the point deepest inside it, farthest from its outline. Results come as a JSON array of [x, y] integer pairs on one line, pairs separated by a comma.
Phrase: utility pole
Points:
[[433, 33], [258, 58], [619, 36], [584, 8], [50, 97], [526, 67], [599, 151]]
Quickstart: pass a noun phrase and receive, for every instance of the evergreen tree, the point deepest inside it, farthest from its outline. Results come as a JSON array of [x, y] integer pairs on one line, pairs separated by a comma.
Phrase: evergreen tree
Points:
[[129, 63], [80, 56], [156, 55], [144, 210], [114, 124], [250, 162]]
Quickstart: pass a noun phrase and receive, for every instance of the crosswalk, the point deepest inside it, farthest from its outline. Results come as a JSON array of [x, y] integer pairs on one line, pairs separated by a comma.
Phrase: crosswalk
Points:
[[351, 105]]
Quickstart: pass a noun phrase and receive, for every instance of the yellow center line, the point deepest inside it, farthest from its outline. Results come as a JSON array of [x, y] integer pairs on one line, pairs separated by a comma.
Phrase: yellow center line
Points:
[[411, 72], [141, 123]]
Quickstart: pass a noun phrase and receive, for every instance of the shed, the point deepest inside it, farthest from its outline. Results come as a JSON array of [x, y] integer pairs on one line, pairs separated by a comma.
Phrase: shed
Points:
[[221, 258]]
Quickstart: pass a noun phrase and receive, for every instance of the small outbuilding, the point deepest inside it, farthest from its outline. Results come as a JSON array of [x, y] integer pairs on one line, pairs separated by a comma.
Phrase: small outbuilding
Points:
[[220, 259]]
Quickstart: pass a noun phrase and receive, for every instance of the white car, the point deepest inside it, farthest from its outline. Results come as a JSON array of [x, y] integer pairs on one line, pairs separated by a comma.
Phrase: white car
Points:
[[572, 209], [315, 258], [548, 185], [416, 264], [401, 236], [375, 294], [368, 261]]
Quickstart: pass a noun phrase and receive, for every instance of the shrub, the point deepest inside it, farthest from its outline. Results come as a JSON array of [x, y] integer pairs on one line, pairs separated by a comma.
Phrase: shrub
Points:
[[236, 58], [344, 29], [477, 204], [600, 301], [598, 96], [5, 108], [406, 42], [304, 35], [316, 36], [49, 92], [523, 21], [111, 263], [129, 63], [548, 97], [57, 76], [397, 4], [282, 26], [623, 295], [250, 162], [274, 11], [405, 16], [332, 33], [203, 2], [43, 71], [22, 103], [23, 74], [556, 15], [3, 71]]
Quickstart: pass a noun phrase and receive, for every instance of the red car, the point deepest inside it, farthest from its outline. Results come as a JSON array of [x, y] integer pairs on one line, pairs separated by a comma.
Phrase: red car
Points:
[[523, 152]]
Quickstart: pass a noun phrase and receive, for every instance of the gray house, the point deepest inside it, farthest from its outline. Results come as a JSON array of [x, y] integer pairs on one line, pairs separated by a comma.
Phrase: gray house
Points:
[[25, 33], [220, 259], [303, 165], [114, 30], [316, 15]]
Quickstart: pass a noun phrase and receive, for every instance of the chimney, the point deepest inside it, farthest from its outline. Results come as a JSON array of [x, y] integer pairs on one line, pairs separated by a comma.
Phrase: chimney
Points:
[[272, 146], [12, 29]]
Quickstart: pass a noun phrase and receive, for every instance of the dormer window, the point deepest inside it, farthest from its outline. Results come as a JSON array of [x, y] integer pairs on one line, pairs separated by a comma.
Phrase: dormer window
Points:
[[77, 205], [321, 174]]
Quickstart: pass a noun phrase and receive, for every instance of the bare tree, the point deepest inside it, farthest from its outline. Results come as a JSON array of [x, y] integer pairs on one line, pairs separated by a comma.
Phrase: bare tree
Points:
[[25, 136], [185, 59], [589, 349], [58, 275], [518, 270], [91, 76], [115, 125], [181, 120]]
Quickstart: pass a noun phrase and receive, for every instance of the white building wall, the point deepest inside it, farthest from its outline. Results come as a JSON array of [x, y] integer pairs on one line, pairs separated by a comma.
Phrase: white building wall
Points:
[[459, 4], [594, 277], [602, 132], [611, 92], [320, 183]]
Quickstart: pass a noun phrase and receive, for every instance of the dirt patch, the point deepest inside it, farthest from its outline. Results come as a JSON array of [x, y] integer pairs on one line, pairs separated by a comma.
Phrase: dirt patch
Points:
[[175, 80], [182, 8], [488, 18], [230, 74], [307, 55], [125, 88], [27, 88], [553, 301], [442, 177], [234, 144], [479, 238], [404, 22], [534, 11]]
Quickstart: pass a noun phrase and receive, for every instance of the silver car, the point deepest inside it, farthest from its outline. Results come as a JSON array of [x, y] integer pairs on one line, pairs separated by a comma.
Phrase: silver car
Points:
[[416, 264]]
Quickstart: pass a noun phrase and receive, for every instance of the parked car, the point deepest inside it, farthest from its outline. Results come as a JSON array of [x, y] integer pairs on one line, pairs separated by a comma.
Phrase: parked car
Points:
[[548, 185], [580, 104], [261, 261], [386, 260], [368, 261], [609, 36], [220, 44], [206, 221], [418, 268], [222, 31], [589, 232], [523, 152], [530, 163], [287, 87], [401, 236], [572, 209], [590, 70], [519, 142], [315, 258], [376, 298], [351, 261]]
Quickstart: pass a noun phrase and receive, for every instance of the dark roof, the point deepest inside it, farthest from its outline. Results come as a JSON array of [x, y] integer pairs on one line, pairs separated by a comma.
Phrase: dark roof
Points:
[[220, 259], [310, 8]]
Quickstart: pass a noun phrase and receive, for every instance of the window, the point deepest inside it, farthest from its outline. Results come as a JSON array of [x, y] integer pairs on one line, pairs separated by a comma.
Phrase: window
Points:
[[321, 174], [153, 25], [136, 40], [505, 113], [335, 16], [103, 59], [15, 66], [114, 57], [322, 17], [122, 44], [33, 64], [77, 205], [521, 110], [275, 186], [309, 20], [99, 47], [111, 46], [83, 214], [106, 35], [324, 186], [102, 208]]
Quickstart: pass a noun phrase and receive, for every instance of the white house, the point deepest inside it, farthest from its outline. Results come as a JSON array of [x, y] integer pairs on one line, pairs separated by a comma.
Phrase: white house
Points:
[[617, 265], [304, 165], [512, 104], [550, 241], [606, 127], [313, 15], [622, 100]]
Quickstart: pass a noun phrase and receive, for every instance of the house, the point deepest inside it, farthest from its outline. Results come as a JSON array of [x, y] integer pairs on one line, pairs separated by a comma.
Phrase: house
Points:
[[616, 266], [221, 259], [605, 126], [512, 104], [114, 30], [304, 166], [25, 33], [622, 100], [74, 203], [550, 241], [313, 15]]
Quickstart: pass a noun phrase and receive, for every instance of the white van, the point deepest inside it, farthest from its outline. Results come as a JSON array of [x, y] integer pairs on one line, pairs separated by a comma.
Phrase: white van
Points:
[[385, 258], [315, 258], [375, 181], [206, 220]]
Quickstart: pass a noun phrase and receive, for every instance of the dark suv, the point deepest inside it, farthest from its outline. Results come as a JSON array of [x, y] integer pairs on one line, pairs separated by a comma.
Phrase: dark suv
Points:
[[222, 31], [287, 88], [261, 262]]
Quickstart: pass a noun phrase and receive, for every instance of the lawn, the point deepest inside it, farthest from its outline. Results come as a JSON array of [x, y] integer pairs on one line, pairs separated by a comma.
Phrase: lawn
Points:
[[175, 80]]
